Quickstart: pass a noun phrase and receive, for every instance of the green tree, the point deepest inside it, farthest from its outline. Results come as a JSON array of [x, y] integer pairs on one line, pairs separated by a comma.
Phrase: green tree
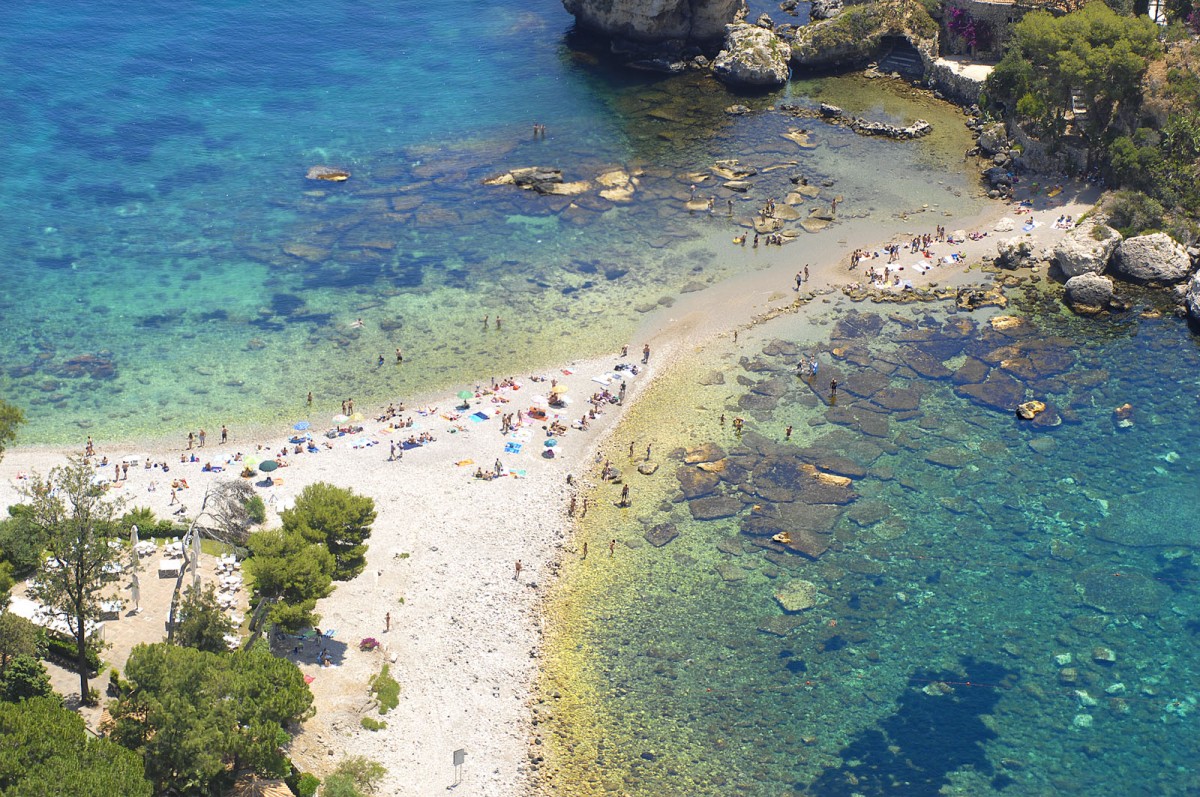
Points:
[[46, 751], [10, 418], [23, 678], [336, 518], [1093, 51], [354, 776], [200, 717], [18, 637], [21, 544], [202, 624], [69, 509], [289, 574]]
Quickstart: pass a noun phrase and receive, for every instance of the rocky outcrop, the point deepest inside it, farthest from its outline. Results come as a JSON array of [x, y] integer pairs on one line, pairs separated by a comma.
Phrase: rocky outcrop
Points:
[[825, 9], [1086, 249], [1016, 252], [1089, 293], [1154, 259], [1192, 298], [753, 56], [652, 21], [864, 127], [855, 36], [993, 138]]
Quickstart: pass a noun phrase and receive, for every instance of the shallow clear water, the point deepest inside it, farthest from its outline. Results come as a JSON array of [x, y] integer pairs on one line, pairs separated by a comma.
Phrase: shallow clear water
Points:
[[167, 266], [968, 595]]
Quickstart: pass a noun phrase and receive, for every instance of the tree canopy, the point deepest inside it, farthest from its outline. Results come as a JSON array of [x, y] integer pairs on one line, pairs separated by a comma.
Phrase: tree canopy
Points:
[[200, 717], [289, 574], [69, 510], [1093, 51], [46, 751], [10, 418], [336, 518], [201, 623]]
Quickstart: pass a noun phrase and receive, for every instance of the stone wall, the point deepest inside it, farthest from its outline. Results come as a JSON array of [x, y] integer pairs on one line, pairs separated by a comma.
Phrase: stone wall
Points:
[[1000, 16]]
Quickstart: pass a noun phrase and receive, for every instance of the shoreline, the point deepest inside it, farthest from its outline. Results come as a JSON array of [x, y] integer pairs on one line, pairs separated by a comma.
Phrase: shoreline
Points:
[[467, 635]]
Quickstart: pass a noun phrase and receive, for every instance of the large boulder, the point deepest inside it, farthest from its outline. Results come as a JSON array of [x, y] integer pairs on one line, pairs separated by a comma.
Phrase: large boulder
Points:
[[863, 32], [1086, 249], [993, 138], [753, 56], [1154, 259], [655, 21], [1016, 252], [1192, 298], [1089, 293], [825, 9]]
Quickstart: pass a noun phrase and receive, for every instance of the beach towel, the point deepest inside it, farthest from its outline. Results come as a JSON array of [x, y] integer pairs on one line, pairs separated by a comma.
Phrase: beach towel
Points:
[[512, 448], [407, 445], [477, 417], [462, 462], [1030, 225]]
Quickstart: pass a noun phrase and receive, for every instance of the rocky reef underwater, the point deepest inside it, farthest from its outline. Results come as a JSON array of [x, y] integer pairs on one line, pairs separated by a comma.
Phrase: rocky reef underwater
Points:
[[902, 587]]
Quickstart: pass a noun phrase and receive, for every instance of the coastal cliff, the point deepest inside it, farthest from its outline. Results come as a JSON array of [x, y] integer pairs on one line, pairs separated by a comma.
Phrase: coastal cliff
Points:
[[650, 21], [859, 34]]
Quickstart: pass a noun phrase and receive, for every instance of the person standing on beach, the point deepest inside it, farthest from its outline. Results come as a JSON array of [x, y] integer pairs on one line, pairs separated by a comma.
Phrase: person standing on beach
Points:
[[191, 440], [203, 437], [224, 434], [645, 354], [799, 279], [625, 495], [387, 622], [612, 547], [517, 571]]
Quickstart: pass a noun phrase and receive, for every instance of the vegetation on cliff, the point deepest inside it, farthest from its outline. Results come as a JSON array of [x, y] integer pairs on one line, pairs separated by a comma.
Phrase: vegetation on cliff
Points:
[[854, 35], [1123, 89]]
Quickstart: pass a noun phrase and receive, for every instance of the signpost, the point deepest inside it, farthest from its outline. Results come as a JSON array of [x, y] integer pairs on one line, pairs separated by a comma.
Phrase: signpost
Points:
[[460, 755]]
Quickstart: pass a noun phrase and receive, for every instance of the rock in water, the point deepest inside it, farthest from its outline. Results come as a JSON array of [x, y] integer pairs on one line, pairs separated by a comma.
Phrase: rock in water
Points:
[[661, 534], [753, 56], [1154, 259], [1089, 293], [797, 595], [1086, 249], [1192, 298], [657, 20], [328, 173], [1030, 410]]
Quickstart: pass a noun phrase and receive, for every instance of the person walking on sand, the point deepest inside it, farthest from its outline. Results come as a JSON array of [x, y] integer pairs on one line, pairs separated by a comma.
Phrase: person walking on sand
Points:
[[648, 445], [645, 354], [806, 272], [517, 571], [387, 622]]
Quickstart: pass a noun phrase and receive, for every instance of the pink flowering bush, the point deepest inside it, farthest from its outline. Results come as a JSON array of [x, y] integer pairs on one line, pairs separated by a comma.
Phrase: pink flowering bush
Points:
[[368, 644]]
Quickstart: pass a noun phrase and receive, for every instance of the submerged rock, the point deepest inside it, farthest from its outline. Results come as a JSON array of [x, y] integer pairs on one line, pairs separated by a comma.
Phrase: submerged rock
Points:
[[1124, 590], [661, 534], [797, 595]]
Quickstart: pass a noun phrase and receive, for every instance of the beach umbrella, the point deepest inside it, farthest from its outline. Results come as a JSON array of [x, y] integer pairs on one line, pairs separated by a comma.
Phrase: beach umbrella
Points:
[[250, 462], [340, 418], [133, 536], [358, 416], [551, 443], [268, 466], [466, 395], [135, 592], [558, 390], [300, 426]]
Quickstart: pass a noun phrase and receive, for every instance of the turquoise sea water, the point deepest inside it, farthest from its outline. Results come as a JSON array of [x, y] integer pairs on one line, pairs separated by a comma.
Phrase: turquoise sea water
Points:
[[167, 265], [997, 606]]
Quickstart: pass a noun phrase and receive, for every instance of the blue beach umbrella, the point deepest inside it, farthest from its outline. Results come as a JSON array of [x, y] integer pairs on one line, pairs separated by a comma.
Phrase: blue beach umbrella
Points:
[[551, 443], [300, 426]]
